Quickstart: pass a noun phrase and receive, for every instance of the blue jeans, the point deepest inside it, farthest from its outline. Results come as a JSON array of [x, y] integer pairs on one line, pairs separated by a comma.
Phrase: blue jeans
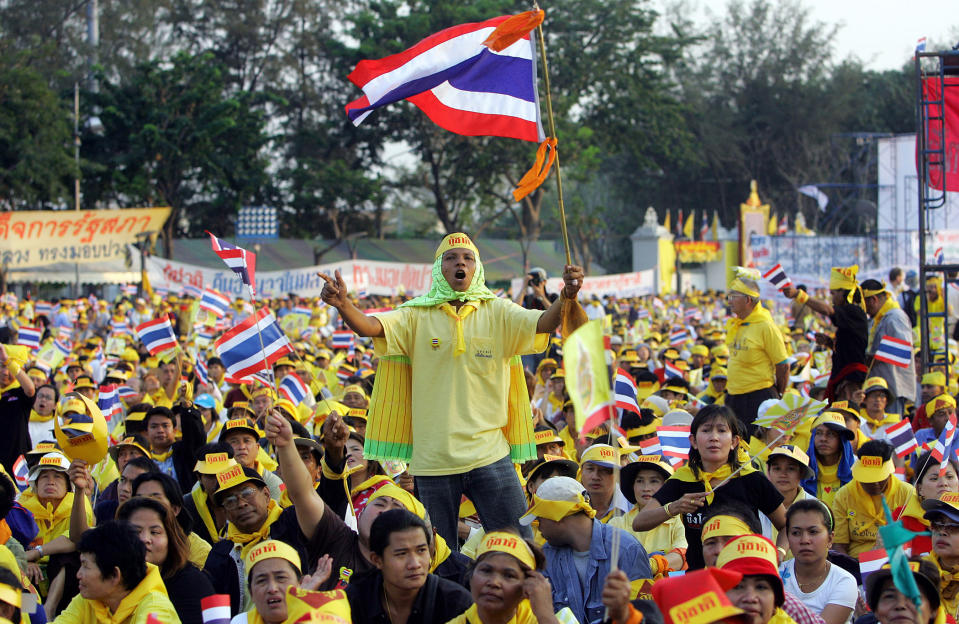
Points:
[[494, 489]]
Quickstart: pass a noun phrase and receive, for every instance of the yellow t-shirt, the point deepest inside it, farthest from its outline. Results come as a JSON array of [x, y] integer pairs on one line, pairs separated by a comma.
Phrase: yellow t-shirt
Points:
[[753, 356], [858, 516], [459, 402], [665, 537], [827, 483]]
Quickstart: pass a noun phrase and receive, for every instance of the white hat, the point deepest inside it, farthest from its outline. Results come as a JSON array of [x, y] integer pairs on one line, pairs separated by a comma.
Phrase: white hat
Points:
[[677, 418], [560, 489], [50, 461]]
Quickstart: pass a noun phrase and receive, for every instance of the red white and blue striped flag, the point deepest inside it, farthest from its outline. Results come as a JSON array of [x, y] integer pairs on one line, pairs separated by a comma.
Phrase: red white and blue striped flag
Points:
[[157, 335], [902, 438], [460, 83], [871, 561], [293, 388], [214, 302], [21, 471], [674, 440], [895, 351], [240, 261], [240, 349], [677, 337], [192, 291], [944, 443], [126, 393], [215, 609], [201, 371], [670, 371], [777, 276], [30, 337], [345, 339], [651, 446], [109, 402], [625, 390]]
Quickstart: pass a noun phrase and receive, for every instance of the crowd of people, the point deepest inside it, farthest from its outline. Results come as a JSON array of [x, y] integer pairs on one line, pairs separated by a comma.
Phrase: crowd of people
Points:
[[435, 469]]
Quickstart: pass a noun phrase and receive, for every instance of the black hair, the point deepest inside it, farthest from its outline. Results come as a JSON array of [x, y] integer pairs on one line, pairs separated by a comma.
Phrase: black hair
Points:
[[213, 447], [736, 509], [708, 413], [394, 521], [814, 505], [8, 494], [143, 463], [871, 284], [166, 412], [172, 491], [214, 360], [56, 393], [894, 273], [924, 462], [116, 547], [178, 548], [876, 448]]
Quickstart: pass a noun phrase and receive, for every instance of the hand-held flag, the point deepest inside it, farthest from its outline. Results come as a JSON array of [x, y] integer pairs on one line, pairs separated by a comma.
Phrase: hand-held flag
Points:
[[777, 277], [587, 379], [293, 388], [157, 335], [240, 261], [626, 391], [674, 440], [902, 438], [240, 347], [30, 337], [215, 609], [214, 302], [895, 351]]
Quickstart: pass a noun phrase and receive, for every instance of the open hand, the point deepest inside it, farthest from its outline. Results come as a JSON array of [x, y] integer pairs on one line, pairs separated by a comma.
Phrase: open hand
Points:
[[312, 582]]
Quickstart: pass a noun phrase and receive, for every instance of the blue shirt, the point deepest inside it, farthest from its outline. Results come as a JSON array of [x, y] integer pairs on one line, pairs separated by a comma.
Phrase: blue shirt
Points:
[[586, 603], [928, 434]]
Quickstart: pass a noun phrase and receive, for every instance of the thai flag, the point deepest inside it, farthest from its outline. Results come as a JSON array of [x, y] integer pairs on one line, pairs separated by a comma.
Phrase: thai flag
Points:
[[20, 472], [895, 351], [651, 446], [293, 388], [306, 332], [305, 311], [938, 256], [65, 333], [670, 371], [691, 314], [871, 561], [215, 609], [214, 302], [120, 326], [363, 294], [201, 372], [44, 308], [63, 346], [240, 261], [192, 291], [109, 402], [344, 372], [777, 276], [625, 389], [642, 314], [126, 393], [157, 335], [946, 438], [902, 438], [240, 349], [677, 337], [674, 441], [30, 337], [206, 334], [163, 291], [462, 85], [343, 340], [921, 44], [129, 289]]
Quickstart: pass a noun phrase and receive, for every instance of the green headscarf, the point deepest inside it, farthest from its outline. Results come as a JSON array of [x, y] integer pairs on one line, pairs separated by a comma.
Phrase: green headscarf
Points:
[[440, 290]]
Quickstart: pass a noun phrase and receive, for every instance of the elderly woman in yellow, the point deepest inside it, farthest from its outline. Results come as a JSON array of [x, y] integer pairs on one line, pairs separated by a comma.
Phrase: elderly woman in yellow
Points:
[[507, 585], [760, 593], [857, 507], [757, 365], [638, 481], [943, 518]]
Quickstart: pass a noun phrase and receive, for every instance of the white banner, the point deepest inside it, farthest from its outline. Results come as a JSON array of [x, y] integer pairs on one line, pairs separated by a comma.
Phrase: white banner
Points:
[[376, 278], [620, 284]]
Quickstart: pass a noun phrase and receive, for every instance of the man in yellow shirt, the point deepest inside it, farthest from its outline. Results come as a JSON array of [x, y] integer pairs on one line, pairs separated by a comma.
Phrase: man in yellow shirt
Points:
[[757, 352], [458, 341]]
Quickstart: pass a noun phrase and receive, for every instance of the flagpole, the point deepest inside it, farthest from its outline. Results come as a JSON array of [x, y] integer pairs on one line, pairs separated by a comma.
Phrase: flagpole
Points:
[[266, 361], [552, 132]]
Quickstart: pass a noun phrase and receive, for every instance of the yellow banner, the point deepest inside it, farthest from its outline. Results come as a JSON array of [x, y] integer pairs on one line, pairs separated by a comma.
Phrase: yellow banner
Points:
[[587, 378], [35, 238], [699, 251]]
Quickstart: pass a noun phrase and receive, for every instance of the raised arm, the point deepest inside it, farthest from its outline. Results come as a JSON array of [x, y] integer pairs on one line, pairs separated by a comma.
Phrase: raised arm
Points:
[[553, 316], [334, 294], [299, 485]]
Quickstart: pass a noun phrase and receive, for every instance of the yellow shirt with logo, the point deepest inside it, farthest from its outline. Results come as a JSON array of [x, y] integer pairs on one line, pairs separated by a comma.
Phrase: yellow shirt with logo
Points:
[[663, 538], [753, 356], [459, 402], [858, 515]]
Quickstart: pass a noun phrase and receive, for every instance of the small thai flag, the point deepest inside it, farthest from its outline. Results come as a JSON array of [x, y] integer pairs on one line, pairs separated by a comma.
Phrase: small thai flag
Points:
[[215, 609], [43, 308], [30, 337], [900, 472], [157, 335], [777, 277], [240, 261], [120, 326], [946, 438], [109, 402], [625, 389], [670, 371], [902, 437], [63, 346], [305, 311], [214, 302], [677, 337], [691, 314], [293, 388], [192, 291], [306, 332], [206, 334], [939, 256], [642, 314], [201, 372], [163, 291], [363, 294], [343, 340], [240, 348], [871, 561], [895, 351], [65, 333], [651, 446], [20, 472], [674, 441], [129, 289], [344, 372], [126, 393], [921, 44]]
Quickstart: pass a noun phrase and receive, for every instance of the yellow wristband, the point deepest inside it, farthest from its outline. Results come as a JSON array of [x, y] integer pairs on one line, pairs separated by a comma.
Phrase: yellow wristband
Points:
[[802, 297], [13, 367]]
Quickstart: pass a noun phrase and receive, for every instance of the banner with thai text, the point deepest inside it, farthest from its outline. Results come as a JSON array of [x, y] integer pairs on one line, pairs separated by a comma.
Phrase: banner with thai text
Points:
[[620, 284], [699, 251], [376, 278], [37, 238]]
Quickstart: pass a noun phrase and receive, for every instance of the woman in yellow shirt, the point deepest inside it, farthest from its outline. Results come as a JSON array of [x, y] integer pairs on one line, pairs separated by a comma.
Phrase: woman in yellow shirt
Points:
[[943, 518]]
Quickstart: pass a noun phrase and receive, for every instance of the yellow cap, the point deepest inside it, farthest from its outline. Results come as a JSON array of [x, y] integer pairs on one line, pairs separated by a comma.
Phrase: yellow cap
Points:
[[239, 424], [355, 388], [601, 454], [509, 543], [272, 549], [356, 412], [82, 431], [872, 469], [547, 436], [263, 391], [213, 463], [943, 401], [934, 378], [286, 405], [457, 240], [843, 278], [234, 476]]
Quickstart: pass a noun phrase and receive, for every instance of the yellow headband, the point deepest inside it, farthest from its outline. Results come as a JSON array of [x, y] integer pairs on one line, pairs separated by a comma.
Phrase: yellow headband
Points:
[[557, 510], [405, 498], [500, 541], [739, 285], [843, 278], [725, 526], [272, 549], [873, 293], [457, 240]]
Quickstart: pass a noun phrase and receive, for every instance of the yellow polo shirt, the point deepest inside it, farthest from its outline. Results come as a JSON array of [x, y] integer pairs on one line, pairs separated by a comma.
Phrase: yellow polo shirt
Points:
[[753, 356], [460, 402], [858, 516]]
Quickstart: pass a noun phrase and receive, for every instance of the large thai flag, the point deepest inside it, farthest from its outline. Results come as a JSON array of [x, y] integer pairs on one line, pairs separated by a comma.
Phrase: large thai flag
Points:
[[462, 85], [675, 441], [30, 337], [157, 335], [240, 261], [240, 349], [293, 388], [214, 302], [894, 351], [625, 390]]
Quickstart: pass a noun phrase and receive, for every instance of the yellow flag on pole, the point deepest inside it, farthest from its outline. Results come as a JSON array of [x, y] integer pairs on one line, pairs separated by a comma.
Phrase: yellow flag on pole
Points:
[[772, 225], [587, 378], [688, 226], [666, 223]]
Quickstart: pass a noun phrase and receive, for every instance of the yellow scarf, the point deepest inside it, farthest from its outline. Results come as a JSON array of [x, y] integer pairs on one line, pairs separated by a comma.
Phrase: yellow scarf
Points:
[[780, 617], [35, 417], [162, 457], [913, 509], [253, 617], [890, 304], [869, 506], [523, 615], [948, 579], [442, 552], [458, 315], [202, 508], [214, 434], [249, 540], [52, 521], [887, 419], [152, 583], [687, 475], [734, 324]]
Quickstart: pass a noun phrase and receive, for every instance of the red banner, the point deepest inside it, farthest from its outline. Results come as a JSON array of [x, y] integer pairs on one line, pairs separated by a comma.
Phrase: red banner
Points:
[[931, 89]]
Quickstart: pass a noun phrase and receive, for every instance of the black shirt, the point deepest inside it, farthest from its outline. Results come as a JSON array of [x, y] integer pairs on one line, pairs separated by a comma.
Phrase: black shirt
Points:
[[332, 537], [753, 489], [186, 589], [852, 333], [438, 600], [14, 415]]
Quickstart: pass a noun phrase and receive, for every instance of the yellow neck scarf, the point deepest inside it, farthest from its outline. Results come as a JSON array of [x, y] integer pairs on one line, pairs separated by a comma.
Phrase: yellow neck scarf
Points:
[[948, 579], [780, 617], [249, 540], [35, 417], [871, 506], [734, 323], [202, 507], [523, 615], [687, 474], [442, 552], [52, 521], [253, 617], [458, 315], [887, 419], [890, 304], [914, 509], [161, 457]]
